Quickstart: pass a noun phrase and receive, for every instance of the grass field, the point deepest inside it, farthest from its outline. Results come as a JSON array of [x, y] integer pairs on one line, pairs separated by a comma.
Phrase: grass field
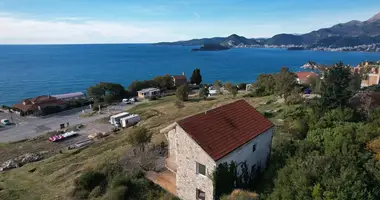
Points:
[[53, 177]]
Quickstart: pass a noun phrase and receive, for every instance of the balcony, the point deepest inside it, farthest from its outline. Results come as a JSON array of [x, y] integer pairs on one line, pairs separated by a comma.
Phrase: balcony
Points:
[[166, 180]]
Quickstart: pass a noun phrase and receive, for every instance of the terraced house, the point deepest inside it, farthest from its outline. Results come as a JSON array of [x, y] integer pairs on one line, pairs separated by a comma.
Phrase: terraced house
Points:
[[234, 132]]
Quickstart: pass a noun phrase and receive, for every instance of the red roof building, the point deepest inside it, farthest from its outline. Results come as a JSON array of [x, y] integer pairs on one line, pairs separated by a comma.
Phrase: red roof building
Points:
[[34, 106], [224, 129], [179, 80], [235, 132], [304, 77]]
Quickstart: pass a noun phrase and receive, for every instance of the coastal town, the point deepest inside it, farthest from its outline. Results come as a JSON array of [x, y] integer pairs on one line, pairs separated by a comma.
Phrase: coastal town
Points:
[[184, 123]]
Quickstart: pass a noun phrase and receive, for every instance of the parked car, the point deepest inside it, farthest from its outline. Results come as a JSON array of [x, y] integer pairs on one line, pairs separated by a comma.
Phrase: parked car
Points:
[[5, 122], [129, 101]]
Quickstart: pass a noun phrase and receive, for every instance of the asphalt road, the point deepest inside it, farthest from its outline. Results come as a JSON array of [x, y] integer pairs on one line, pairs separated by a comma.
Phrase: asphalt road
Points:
[[26, 127]]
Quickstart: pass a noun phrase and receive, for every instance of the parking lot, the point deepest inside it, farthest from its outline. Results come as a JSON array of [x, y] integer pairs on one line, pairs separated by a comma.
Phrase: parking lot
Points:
[[29, 127]]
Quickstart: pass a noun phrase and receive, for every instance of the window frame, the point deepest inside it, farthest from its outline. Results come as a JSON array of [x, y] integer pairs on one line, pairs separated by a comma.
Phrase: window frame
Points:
[[198, 168], [254, 147], [197, 194]]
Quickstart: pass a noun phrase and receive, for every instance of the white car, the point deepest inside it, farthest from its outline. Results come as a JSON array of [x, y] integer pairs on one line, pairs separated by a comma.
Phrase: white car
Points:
[[5, 122], [128, 101]]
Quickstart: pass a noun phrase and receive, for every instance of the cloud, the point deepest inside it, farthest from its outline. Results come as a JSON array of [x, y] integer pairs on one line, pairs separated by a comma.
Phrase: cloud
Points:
[[72, 30]]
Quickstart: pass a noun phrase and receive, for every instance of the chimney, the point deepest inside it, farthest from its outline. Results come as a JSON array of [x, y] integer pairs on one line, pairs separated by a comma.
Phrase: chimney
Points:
[[183, 73]]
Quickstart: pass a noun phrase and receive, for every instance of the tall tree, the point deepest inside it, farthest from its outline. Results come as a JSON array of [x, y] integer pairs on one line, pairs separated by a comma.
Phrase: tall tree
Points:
[[265, 84], [196, 77], [163, 82], [355, 82], [113, 91], [285, 82], [335, 91]]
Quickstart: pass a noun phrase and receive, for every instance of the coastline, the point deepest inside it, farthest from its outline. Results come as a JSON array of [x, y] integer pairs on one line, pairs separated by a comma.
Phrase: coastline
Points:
[[58, 69]]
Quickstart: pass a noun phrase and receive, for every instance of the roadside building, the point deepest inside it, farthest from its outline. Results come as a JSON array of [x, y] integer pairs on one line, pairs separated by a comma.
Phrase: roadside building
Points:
[[148, 93], [179, 80], [39, 105], [70, 96], [235, 132], [305, 77]]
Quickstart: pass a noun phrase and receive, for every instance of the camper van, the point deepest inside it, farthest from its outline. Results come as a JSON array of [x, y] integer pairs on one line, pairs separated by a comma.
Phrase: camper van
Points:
[[129, 120], [115, 119]]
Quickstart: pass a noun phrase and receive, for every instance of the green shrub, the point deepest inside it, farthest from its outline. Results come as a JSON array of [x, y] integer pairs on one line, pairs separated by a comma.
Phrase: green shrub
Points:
[[89, 180], [79, 193], [112, 170], [97, 191], [121, 181], [119, 193]]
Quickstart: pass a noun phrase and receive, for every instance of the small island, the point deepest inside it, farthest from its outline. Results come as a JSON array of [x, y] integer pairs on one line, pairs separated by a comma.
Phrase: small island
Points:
[[211, 47]]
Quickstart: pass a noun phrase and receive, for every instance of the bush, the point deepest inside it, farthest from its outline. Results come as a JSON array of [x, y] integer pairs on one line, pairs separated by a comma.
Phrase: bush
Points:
[[234, 91], [112, 170], [121, 181], [294, 98], [182, 93], [89, 180], [79, 193], [119, 193], [97, 191], [139, 137], [179, 104]]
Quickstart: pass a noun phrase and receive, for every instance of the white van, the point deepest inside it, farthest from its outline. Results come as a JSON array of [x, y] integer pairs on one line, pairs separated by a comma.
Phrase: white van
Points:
[[115, 119], [129, 120]]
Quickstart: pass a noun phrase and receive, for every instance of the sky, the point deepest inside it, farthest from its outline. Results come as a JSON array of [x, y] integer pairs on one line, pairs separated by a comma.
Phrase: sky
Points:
[[147, 21]]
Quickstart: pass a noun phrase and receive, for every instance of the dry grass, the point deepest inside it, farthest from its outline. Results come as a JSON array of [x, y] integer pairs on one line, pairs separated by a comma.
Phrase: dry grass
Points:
[[53, 177]]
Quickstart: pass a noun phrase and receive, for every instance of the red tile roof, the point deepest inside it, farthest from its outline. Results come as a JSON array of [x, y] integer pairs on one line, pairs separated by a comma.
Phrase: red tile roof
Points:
[[306, 75], [179, 77], [33, 103], [222, 130]]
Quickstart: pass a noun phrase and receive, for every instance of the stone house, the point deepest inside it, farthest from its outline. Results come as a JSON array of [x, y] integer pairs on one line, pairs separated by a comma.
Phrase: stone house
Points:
[[234, 132]]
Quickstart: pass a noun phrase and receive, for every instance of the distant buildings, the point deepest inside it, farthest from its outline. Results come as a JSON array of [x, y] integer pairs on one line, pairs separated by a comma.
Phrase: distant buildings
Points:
[[148, 93], [47, 104]]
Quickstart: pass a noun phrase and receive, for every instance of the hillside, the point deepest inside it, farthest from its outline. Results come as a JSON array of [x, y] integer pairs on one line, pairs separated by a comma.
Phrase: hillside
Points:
[[351, 33]]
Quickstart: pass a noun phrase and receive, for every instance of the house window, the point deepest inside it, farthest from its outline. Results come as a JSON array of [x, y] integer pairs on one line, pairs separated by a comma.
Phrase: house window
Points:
[[201, 169], [254, 148], [201, 195]]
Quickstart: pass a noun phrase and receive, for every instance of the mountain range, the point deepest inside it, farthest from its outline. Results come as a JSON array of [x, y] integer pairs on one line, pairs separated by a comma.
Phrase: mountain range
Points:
[[352, 33]]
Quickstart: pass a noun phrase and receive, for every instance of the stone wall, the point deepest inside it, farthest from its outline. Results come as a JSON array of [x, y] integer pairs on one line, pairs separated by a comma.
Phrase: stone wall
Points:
[[188, 153]]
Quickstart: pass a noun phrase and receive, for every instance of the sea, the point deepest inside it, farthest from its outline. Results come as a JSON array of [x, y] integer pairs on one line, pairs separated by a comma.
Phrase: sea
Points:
[[31, 70]]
